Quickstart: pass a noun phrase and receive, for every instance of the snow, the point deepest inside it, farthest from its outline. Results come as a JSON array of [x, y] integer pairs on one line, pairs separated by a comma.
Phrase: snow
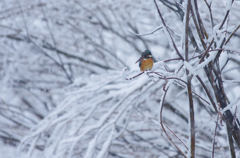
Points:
[[8, 150], [229, 5], [232, 105], [190, 68], [74, 90]]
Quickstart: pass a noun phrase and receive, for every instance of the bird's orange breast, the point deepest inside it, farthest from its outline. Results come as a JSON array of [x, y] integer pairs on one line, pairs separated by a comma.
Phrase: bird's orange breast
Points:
[[146, 64]]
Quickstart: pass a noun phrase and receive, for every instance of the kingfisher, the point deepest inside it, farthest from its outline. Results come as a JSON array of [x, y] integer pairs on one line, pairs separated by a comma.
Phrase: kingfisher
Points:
[[145, 61]]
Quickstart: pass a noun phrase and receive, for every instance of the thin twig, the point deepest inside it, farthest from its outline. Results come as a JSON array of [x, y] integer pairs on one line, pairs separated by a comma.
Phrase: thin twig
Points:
[[177, 137], [198, 29], [206, 52], [232, 35], [174, 45], [164, 130], [210, 12], [55, 45], [215, 132], [222, 49], [24, 20], [175, 78], [149, 33], [234, 118], [202, 28], [135, 76], [191, 109], [207, 92], [225, 18]]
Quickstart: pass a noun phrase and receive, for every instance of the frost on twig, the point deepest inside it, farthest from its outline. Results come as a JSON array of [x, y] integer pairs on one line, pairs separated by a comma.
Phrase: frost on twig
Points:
[[63, 93]]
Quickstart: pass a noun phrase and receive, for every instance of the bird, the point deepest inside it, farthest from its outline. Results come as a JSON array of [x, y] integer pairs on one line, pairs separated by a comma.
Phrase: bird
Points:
[[145, 61]]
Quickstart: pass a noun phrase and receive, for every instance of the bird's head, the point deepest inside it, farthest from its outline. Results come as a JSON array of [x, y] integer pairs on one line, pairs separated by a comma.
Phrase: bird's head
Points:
[[145, 55]]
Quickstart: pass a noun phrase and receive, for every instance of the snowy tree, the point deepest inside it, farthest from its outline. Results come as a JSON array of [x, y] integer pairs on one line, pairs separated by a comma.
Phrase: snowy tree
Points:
[[70, 86]]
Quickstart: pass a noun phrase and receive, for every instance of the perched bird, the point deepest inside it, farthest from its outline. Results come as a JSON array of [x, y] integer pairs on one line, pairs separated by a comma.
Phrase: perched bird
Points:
[[145, 61]]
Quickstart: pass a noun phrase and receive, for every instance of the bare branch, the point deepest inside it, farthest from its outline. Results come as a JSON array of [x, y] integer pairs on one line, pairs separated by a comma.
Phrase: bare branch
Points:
[[149, 33]]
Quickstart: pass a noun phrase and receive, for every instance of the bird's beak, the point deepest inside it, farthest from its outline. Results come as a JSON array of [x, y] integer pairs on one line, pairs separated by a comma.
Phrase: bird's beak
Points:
[[141, 58]]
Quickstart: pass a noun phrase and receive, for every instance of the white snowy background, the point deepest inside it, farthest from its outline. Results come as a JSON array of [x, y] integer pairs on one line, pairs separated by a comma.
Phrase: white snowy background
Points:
[[68, 85]]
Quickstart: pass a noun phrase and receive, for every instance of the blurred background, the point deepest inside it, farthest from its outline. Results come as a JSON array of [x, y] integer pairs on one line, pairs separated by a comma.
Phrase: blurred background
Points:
[[67, 56]]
